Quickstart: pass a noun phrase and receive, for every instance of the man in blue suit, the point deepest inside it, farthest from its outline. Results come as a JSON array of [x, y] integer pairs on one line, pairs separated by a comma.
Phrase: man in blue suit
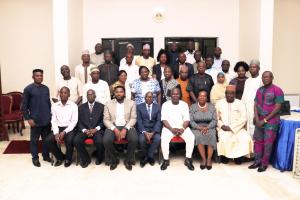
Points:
[[149, 127]]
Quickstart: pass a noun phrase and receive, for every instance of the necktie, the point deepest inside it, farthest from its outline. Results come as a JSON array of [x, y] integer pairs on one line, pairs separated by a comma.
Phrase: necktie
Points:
[[85, 74], [91, 108], [149, 111]]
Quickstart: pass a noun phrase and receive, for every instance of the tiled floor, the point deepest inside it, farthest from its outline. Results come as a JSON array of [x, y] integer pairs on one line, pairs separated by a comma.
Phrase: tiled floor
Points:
[[20, 180]]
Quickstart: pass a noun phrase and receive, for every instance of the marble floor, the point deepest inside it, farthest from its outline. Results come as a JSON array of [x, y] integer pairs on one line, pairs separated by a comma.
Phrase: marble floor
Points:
[[20, 180]]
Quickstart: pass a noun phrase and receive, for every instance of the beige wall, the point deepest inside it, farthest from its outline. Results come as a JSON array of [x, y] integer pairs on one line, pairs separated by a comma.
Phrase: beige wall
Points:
[[25, 42], [286, 42], [249, 27]]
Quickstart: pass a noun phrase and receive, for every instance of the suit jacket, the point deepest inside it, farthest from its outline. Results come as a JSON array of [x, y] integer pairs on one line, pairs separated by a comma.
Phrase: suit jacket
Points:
[[87, 120], [176, 70], [144, 123], [110, 113], [157, 71]]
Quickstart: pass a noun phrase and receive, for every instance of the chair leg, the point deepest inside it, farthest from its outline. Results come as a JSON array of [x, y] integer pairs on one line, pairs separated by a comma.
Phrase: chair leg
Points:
[[18, 126], [14, 127], [23, 124]]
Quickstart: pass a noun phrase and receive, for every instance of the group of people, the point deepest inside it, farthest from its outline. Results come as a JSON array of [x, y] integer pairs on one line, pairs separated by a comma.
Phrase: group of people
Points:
[[147, 104]]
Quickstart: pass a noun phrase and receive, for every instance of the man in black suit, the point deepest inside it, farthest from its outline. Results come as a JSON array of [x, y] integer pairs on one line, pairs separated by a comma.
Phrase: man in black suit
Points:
[[149, 126], [182, 62], [90, 125]]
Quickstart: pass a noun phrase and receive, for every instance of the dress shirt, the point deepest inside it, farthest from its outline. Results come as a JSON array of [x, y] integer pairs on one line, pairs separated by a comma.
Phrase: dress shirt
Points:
[[132, 72], [75, 86], [190, 57], [120, 116], [217, 64], [91, 106]]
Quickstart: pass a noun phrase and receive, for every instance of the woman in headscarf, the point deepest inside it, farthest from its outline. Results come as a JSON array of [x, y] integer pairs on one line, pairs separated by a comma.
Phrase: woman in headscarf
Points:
[[218, 90]]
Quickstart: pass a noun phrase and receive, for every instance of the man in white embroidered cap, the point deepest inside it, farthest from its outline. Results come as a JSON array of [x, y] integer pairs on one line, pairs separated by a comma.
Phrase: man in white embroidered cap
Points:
[[145, 59], [82, 70]]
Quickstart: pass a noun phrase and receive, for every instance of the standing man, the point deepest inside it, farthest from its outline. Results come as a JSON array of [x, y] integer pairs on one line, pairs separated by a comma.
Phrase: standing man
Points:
[[130, 68], [268, 101], [225, 69], [197, 56], [100, 87], [190, 52], [209, 61], [145, 59], [183, 82], [82, 70], [176, 125], [64, 119], [182, 63], [74, 84], [90, 125], [173, 53], [130, 50], [234, 141], [251, 85], [217, 59], [119, 119], [97, 58], [109, 71], [149, 127], [200, 81], [36, 108]]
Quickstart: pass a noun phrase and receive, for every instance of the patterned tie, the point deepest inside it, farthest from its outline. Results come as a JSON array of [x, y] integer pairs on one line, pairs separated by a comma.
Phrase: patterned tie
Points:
[[149, 111]]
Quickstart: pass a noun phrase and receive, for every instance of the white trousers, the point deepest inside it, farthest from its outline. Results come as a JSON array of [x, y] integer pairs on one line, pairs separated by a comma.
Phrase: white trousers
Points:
[[187, 136]]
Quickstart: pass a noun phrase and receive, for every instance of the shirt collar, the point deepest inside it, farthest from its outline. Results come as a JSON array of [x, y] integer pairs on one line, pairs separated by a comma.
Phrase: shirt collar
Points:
[[91, 104], [67, 103]]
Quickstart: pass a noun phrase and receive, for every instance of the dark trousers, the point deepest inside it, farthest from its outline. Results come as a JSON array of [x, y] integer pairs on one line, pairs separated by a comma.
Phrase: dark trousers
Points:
[[108, 141], [149, 149], [54, 147], [35, 133], [80, 146]]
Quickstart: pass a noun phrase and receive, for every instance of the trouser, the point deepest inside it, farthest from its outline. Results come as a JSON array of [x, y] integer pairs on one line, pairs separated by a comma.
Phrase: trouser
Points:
[[54, 148], [80, 146], [149, 149], [187, 136], [35, 133], [263, 144], [108, 142]]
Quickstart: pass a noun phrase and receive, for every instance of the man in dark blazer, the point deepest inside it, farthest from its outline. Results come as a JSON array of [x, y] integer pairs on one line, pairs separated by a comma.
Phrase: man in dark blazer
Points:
[[90, 125], [182, 61], [149, 127]]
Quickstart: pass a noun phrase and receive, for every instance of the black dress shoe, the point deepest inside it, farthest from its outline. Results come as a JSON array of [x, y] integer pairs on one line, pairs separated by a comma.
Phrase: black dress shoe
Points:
[[113, 165], [47, 159], [238, 161], [128, 165], [224, 160], [58, 163], [208, 167], [165, 165], [67, 163], [254, 166], [98, 161], [262, 168], [188, 162], [85, 165], [151, 161], [36, 162], [143, 162]]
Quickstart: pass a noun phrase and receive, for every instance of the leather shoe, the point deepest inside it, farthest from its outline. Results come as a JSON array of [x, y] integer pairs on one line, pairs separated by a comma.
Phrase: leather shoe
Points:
[[128, 165], [151, 161], [224, 160], [84, 165], [143, 162], [113, 165], [238, 161], [254, 166], [262, 168], [98, 161], [165, 165], [208, 167], [36, 162], [67, 163], [202, 167], [58, 163], [188, 162], [47, 159]]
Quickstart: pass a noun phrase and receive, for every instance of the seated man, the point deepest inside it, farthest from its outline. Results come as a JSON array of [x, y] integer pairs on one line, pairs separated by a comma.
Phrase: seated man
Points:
[[234, 141], [119, 119], [176, 119], [90, 125], [149, 126], [64, 120]]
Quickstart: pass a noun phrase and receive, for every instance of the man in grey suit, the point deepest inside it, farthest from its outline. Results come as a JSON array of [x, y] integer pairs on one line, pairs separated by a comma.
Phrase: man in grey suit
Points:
[[149, 127], [119, 119]]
